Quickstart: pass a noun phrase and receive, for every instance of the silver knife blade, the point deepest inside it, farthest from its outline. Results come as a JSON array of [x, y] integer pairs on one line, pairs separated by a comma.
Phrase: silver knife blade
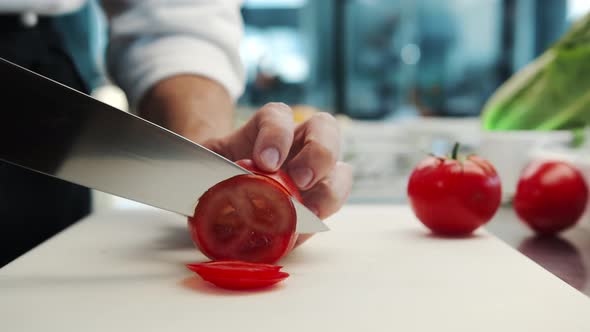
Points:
[[61, 132]]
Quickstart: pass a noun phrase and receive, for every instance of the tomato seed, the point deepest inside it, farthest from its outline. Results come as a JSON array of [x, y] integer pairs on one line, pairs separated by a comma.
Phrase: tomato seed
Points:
[[258, 241], [223, 231]]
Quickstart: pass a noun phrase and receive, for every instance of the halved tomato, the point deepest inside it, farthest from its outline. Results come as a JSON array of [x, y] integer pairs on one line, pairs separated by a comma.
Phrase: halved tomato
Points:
[[247, 218]]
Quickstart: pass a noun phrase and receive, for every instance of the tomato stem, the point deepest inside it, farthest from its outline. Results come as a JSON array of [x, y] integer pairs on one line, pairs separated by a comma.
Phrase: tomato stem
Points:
[[455, 151]]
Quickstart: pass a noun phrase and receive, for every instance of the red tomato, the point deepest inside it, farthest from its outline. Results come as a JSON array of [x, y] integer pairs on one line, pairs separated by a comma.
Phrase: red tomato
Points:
[[285, 180], [239, 274], [280, 176], [454, 197], [227, 222], [234, 269], [247, 218], [551, 196]]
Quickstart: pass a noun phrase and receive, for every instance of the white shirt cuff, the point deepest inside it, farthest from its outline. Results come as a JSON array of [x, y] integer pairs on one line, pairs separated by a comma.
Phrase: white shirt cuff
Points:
[[149, 60]]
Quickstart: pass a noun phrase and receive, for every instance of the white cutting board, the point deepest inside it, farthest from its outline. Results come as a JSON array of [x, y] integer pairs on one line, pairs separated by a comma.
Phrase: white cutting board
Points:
[[376, 270]]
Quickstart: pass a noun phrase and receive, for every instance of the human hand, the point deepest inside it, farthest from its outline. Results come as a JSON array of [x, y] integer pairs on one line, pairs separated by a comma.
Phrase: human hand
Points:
[[308, 152], [199, 109]]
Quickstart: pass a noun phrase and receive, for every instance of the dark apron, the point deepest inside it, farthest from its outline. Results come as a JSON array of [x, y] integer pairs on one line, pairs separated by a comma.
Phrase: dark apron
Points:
[[34, 207]]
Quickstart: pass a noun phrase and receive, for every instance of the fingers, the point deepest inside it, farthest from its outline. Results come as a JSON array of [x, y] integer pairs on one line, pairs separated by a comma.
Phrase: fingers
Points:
[[311, 150], [266, 138], [316, 150], [329, 194], [275, 127]]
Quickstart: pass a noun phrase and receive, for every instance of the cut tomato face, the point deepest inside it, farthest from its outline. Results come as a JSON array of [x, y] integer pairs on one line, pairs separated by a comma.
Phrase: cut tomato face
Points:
[[246, 282], [246, 218]]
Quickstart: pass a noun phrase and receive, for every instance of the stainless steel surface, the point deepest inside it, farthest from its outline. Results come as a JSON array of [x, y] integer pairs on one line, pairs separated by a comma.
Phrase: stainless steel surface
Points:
[[69, 135]]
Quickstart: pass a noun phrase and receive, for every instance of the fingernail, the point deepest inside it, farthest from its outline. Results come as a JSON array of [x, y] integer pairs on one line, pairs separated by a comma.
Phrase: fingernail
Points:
[[302, 176], [270, 156]]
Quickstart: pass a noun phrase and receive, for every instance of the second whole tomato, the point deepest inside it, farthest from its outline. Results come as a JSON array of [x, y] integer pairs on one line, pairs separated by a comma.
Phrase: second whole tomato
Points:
[[551, 196], [452, 195]]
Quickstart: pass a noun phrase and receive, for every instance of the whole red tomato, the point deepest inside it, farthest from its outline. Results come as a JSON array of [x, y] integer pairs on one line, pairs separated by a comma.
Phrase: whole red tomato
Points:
[[551, 196], [247, 218], [454, 197]]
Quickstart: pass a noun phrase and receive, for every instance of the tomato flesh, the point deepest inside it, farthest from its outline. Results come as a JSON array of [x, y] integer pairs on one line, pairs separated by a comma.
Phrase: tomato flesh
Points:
[[247, 218]]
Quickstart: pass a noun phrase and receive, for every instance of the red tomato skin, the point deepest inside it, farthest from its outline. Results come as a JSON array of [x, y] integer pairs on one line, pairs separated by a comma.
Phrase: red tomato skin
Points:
[[280, 176], [245, 283], [234, 269], [551, 196], [453, 197]]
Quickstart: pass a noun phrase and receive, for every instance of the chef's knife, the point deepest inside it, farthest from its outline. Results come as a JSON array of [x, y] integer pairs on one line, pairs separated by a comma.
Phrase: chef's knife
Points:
[[58, 131]]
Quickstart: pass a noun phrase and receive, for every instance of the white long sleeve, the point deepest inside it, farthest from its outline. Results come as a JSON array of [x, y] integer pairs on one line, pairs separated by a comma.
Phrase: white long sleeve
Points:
[[43, 7], [154, 39]]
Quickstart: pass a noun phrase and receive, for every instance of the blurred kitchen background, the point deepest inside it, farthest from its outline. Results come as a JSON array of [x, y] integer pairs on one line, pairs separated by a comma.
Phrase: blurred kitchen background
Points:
[[405, 78]]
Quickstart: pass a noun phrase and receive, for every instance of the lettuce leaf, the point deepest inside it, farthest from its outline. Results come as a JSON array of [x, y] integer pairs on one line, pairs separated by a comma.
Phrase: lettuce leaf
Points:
[[550, 93]]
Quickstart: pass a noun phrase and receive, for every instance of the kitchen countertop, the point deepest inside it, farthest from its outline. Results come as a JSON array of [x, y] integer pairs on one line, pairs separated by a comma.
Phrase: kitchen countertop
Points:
[[377, 269], [566, 255]]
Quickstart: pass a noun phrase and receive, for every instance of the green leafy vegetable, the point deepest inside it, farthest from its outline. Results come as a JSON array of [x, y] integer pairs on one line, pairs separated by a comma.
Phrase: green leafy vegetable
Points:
[[550, 93]]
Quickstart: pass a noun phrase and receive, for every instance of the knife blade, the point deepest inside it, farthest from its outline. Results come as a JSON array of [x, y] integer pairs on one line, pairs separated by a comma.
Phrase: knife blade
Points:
[[61, 132]]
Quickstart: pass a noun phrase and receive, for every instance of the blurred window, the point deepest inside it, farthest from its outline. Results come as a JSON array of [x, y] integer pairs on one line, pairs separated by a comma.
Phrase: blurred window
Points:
[[382, 59]]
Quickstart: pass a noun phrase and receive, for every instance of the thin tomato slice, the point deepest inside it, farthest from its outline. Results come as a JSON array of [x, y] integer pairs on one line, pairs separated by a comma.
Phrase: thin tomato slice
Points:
[[237, 265], [246, 282], [246, 218], [234, 269]]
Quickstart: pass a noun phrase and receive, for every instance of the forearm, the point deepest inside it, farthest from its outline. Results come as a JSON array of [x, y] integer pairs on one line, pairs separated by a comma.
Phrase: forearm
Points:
[[190, 105], [178, 61]]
